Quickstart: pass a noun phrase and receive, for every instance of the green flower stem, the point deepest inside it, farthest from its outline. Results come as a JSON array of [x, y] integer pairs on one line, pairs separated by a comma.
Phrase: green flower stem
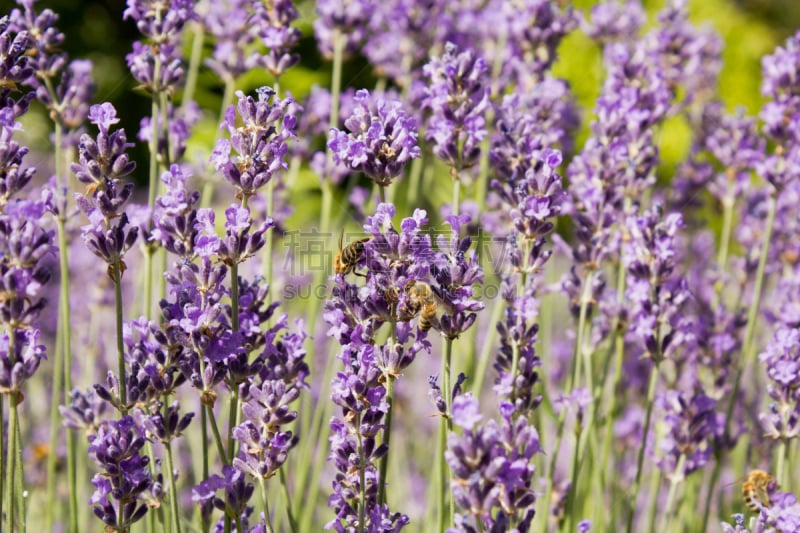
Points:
[[287, 497], [14, 484], [488, 345], [265, 504], [674, 482], [217, 437], [387, 435], [780, 463], [446, 426], [388, 380], [651, 394], [456, 192], [173, 489], [233, 408], [567, 522], [152, 184], [204, 431], [748, 347], [362, 482], [414, 179], [198, 35], [655, 492], [123, 391], [268, 245], [728, 204]]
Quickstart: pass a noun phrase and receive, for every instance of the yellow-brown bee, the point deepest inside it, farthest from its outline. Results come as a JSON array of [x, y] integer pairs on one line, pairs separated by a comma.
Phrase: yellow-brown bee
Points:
[[756, 488], [418, 294], [427, 315], [347, 259]]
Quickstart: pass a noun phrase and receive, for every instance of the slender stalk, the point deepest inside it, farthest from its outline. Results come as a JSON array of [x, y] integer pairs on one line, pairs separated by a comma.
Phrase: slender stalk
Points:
[[204, 430], [173, 489], [488, 345], [569, 511], [651, 394], [415, 175], [362, 482], [780, 463], [14, 484], [674, 482], [217, 437], [123, 391], [234, 403], [456, 193], [441, 493], [289, 514], [265, 504], [268, 244], [387, 435], [444, 428], [198, 36], [748, 348], [655, 492]]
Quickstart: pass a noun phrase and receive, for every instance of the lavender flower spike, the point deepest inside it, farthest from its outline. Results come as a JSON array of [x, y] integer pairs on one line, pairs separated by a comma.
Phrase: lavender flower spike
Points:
[[382, 138]]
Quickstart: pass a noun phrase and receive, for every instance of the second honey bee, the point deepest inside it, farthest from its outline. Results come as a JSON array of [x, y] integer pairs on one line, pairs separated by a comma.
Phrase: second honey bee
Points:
[[348, 257], [756, 489], [420, 300]]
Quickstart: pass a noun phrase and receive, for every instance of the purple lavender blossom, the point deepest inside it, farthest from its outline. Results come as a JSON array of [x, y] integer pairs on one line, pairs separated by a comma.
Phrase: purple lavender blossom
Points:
[[13, 175], [782, 361], [273, 23], [85, 411], [457, 98], [654, 291], [233, 502], [692, 426], [15, 66], [454, 272], [613, 21], [125, 477], [381, 141], [346, 20], [175, 216], [260, 143], [103, 158], [157, 65], [492, 469]]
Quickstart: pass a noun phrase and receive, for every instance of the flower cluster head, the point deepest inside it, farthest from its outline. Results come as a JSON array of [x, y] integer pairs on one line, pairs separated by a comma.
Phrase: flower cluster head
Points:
[[157, 65], [492, 468], [175, 215], [117, 449], [781, 86], [243, 238], [615, 21], [382, 138], [233, 502], [454, 272], [265, 440], [104, 157], [19, 359], [259, 143], [692, 427], [654, 291], [529, 123], [782, 362], [273, 24], [47, 41], [345, 21], [534, 29], [457, 98], [13, 175], [85, 411], [15, 66]]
